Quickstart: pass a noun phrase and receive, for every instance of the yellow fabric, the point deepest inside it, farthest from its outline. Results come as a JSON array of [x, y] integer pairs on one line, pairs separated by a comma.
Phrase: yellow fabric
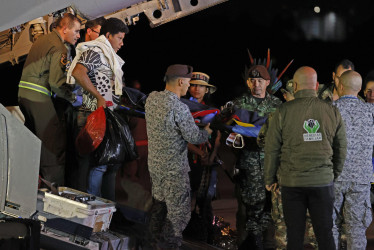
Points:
[[243, 124]]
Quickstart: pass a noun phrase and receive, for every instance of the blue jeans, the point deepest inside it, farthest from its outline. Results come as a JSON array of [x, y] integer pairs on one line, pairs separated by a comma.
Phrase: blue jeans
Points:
[[102, 181]]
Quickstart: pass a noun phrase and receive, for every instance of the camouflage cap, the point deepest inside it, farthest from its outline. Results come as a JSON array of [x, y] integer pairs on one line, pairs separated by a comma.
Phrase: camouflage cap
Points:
[[289, 87], [258, 71]]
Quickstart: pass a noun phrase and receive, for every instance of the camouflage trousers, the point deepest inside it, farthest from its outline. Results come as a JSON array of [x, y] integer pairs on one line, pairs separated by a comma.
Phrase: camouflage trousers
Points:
[[171, 210], [353, 208], [280, 225], [253, 214]]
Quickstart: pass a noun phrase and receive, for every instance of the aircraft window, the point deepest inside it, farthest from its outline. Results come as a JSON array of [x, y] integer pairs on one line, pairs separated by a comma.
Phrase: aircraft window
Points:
[[157, 14], [194, 2]]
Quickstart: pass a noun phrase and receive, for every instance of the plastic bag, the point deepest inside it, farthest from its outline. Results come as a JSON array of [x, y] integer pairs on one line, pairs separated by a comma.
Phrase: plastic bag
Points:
[[118, 144], [92, 134]]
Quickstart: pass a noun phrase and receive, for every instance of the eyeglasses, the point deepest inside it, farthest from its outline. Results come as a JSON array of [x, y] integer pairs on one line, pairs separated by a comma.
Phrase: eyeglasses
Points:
[[96, 31]]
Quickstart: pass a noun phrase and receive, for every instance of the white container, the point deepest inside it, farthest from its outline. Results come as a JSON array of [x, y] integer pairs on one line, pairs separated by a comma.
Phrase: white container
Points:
[[96, 214]]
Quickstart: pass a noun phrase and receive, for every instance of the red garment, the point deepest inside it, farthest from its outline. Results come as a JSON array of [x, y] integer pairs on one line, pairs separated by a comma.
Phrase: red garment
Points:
[[203, 113]]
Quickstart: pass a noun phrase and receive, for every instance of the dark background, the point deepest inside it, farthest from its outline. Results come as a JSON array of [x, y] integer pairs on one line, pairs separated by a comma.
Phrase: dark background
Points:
[[215, 41]]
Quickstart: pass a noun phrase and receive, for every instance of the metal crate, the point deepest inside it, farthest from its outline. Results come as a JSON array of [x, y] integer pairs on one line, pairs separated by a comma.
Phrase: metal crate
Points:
[[96, 214]]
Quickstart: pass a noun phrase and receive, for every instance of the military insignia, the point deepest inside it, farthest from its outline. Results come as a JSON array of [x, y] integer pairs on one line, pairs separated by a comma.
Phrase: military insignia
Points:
[[68, 64], [311, 126], [64, 59], [255, 74]]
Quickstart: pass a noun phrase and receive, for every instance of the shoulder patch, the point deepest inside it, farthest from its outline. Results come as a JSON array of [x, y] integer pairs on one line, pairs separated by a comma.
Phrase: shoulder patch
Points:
[[64, 59]]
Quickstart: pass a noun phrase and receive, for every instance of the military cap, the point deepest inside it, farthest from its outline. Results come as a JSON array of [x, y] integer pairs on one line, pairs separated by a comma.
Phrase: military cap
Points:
[[258, 71], [289, 87], [179, 70]]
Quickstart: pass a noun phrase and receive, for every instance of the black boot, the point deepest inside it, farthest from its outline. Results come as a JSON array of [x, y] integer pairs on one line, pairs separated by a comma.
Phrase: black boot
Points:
[[252, 242]]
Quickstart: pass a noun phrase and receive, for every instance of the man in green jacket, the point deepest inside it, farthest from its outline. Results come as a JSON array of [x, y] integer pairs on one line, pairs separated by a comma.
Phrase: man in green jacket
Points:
[[305, 151], [44, 73]]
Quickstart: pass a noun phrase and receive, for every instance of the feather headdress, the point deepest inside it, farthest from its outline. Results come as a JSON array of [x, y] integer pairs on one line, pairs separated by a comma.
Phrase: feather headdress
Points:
[[275, 81]]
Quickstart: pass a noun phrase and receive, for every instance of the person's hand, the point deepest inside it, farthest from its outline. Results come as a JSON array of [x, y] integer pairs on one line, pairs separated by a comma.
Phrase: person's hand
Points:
[[272, 187], [288, 96], [204, 157], [101, 103], [205, 160], [203, 154], [207, 128]]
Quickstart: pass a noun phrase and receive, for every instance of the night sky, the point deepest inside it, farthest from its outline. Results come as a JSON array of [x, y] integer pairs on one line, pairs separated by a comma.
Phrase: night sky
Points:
[[215, 41]]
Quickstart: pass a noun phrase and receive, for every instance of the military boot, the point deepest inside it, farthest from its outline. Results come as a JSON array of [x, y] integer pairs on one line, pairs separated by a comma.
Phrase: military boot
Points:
[[253, 241]]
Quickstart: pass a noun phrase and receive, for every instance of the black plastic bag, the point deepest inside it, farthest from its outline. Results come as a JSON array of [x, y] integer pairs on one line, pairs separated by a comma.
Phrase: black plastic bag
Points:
[[118, 145]]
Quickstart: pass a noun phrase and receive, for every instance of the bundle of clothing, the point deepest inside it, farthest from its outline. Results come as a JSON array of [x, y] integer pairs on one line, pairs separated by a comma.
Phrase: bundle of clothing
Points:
[[133, 102], [203, 114], [244, 122]]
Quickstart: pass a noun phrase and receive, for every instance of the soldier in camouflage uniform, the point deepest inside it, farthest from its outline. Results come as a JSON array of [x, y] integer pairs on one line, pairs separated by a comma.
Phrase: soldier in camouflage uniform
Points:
[[352, 188], [252, 217], [329, 93], [170, 126]]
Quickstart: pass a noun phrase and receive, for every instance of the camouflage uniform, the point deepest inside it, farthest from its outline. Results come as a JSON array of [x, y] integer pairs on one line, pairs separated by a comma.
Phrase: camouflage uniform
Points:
[[170, 127], [325, 91], [252, 216], [352, 188]]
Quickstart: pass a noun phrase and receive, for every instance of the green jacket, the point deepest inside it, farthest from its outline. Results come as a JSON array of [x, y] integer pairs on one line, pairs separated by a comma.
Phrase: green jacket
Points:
[[305, 143], [45, 66]]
